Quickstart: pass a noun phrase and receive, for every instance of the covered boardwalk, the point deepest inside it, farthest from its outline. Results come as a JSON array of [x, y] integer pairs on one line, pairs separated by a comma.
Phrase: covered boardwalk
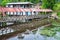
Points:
[[24, 11], [23, 14]]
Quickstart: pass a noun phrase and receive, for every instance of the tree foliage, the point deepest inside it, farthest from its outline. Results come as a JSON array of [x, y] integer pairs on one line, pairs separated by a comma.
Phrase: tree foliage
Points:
[[48, 3], [3, 2], [56, 6]]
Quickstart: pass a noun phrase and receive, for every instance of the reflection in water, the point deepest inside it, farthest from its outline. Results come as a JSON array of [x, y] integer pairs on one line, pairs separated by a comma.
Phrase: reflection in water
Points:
[[37, 36], [33, 37], [29, 37], [6, 30], [13, 38], [50, 38]]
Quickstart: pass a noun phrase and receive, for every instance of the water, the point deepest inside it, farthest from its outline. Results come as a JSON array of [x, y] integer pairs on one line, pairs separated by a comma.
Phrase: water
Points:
[[6, 30], [37, 36], [29, 37], [13, 38]]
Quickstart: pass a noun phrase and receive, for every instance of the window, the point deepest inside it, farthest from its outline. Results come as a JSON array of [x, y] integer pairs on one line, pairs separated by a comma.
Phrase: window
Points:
[[22, 6]]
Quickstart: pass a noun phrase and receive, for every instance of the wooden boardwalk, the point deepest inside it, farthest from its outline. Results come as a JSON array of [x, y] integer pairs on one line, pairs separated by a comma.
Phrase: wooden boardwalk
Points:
[[21, 18]]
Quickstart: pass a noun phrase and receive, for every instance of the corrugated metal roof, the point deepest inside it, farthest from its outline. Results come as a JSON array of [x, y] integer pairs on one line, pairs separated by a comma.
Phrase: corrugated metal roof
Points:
[[27, 10], [5, 9], [41, 10]]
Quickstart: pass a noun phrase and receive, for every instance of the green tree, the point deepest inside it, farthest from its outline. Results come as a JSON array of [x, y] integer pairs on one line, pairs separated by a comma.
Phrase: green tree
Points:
[[56, 6], [35, 1], [3, 3], [22, 0], [48, 3]]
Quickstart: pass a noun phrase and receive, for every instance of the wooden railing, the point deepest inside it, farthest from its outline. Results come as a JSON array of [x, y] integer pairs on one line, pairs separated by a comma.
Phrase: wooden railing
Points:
[[20, 18]]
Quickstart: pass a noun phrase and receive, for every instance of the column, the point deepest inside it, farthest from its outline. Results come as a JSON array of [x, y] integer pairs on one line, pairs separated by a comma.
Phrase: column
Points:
[[24, 13]]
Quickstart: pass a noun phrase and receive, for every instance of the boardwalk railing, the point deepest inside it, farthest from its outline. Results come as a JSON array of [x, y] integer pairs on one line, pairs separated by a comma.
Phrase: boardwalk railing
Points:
[[21, 18]]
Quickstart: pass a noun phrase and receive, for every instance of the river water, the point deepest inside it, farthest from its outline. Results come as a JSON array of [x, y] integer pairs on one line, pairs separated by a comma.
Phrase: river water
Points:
[[37, 36], [6, 30]]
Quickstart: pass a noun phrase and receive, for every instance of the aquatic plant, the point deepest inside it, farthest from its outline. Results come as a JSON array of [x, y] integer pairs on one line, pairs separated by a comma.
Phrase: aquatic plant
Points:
[[48, 33]]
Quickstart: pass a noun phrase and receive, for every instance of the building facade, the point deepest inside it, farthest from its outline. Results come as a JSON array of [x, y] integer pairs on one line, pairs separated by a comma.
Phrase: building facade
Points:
[[24, 6]]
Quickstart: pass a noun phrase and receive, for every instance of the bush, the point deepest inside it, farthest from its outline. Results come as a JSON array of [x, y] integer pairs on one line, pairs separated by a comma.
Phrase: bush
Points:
[[56, 6]]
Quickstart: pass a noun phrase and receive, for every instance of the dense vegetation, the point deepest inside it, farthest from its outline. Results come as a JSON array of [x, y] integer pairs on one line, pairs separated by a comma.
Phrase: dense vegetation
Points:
[[49, 3], [3, 2], [45, 3]]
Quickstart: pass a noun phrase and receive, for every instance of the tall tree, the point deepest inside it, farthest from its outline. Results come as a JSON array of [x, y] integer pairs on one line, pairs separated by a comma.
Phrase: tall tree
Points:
[[35, 1], [22, 0], [48, 3], [3, 3], [57, 7]]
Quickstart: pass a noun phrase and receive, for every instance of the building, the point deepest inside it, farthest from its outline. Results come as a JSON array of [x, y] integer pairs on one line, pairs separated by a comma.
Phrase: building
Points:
[[23, 6], [20, 5], [22, 11]]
